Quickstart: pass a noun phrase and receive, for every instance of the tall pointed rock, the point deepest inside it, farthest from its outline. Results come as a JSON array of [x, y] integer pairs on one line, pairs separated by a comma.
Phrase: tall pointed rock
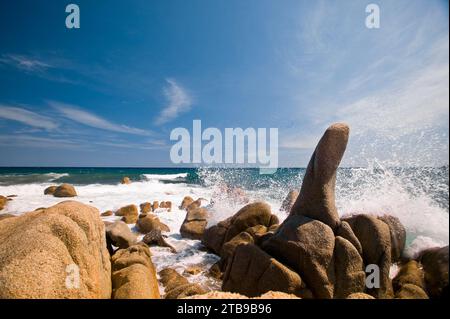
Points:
[[316, 199]]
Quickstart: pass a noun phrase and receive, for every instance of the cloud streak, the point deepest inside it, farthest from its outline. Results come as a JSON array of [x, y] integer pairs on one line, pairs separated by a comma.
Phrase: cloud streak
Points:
[[179, 102], [417, 103], [23, 140], [49, 68], [24, 63], [76, 114], [27, 117]]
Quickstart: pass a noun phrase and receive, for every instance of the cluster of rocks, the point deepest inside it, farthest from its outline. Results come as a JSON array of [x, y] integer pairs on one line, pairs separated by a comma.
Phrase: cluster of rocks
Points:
[[145, 221], [148, 207], [69, 239], [119, 235], [63, 190], [249, 225], [316, 254], [70, 255]]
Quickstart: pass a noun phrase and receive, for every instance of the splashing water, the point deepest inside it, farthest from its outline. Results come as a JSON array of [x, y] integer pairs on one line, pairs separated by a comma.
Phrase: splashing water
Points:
[[417, 196]]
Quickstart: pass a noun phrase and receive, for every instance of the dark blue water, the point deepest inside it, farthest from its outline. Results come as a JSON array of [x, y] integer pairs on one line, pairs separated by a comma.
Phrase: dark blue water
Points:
[[84, 175]]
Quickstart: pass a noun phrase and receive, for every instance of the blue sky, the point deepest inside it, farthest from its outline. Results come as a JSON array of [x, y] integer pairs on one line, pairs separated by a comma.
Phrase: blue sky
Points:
[[109, 93]]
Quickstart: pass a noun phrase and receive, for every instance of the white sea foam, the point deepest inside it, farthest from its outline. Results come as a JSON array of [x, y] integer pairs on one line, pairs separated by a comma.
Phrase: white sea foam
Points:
[[55, 176], [165, 177]]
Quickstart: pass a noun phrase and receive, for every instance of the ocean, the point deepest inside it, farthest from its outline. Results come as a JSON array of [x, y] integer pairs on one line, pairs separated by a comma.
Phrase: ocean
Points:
[[419, 197]]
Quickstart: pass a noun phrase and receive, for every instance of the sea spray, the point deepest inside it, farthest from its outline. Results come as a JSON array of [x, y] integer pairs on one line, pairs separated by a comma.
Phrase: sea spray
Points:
[[417, 196]]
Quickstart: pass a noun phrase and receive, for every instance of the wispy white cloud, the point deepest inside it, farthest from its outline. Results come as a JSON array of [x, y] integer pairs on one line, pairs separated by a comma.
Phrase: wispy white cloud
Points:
[[81, 116], [25, 63], [27, 117], [60, 141], [418, 102], [179, 102], [47, 67], [124, 144], [24, 140]]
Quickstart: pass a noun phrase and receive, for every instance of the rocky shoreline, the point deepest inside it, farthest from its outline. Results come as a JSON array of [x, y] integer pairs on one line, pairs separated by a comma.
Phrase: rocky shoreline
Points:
[[313, 253]]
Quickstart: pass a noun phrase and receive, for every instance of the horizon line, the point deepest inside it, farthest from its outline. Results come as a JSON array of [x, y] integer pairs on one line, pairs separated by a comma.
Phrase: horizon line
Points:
[[197, 167]]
